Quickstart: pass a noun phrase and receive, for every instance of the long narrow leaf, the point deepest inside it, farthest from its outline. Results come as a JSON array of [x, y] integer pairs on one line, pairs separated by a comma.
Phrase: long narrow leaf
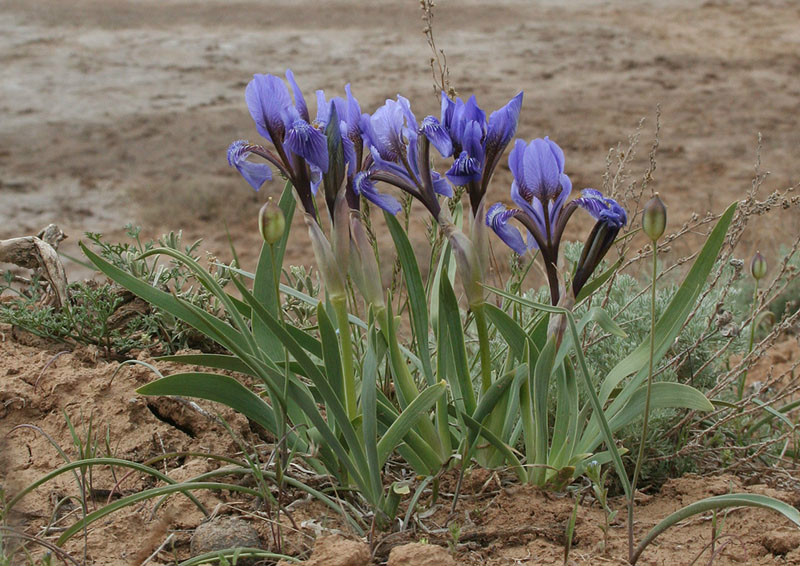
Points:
[[450, 315], [714, 503], [411, 415], [416, 293], [356, 460]]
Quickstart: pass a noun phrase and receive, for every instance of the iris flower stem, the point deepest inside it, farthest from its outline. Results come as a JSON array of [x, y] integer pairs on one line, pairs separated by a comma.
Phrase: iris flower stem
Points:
[[282, 462], [743, 379], [552, 279], [340, 307], [640, 456]]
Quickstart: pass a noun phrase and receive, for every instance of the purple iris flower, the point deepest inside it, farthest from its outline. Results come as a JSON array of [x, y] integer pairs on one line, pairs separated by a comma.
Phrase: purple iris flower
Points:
[[477, 145], [399, 154], [541, 189], [300, 148]]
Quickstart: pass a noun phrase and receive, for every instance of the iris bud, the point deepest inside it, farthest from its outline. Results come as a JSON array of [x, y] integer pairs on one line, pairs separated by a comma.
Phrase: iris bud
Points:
[[467, 262], [654, 218], [271, 222], [326, 261], [758, 266]]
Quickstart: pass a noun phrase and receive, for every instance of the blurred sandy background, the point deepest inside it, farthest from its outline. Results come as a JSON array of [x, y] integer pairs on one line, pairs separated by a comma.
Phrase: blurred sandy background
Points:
[[121, 111]]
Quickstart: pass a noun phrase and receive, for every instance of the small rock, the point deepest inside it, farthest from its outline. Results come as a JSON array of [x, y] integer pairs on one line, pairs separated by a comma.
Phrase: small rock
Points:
[[418, 554], [224, 532], [781, 542], [335, 550]]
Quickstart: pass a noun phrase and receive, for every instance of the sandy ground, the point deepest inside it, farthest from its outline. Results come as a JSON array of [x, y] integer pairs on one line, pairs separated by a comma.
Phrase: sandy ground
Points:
[[501, 523], [117, 112]]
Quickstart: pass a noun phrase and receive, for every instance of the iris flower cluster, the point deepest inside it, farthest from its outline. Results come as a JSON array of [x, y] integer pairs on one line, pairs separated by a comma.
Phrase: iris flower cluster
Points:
[[350, 153], [540, 189]]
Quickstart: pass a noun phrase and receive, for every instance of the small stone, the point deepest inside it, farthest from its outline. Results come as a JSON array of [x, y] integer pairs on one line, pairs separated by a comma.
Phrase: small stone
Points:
[[418, 554], [335, 550], [781, 542], [224, 532]]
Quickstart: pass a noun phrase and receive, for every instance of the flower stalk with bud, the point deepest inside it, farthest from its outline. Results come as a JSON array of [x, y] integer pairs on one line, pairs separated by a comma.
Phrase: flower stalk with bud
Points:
[[654, 222], [758, 270]]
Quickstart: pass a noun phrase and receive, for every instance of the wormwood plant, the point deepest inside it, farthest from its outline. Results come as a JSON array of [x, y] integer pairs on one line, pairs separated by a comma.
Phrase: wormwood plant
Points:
[[527, 379], [97, 314]]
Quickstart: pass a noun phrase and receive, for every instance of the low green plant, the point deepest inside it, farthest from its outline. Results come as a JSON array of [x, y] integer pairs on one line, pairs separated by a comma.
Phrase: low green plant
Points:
[[88, 319], [93, 314], [599, 478]]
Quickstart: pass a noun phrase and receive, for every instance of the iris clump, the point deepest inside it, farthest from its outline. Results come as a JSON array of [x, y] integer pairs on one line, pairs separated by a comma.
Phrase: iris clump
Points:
[[358, 387]]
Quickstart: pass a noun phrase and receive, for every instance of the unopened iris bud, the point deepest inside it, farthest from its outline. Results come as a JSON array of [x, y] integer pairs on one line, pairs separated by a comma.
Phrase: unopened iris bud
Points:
[[271, 222], [467, 263], [326, 261], [758, 266], [654, 218]]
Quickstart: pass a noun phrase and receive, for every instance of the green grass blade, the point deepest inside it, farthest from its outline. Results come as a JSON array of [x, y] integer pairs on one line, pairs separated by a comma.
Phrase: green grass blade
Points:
[[501, 446], [715, 503], [211, 285], [214, 361], [232, 556], [4, 512], [512, 333], [145, 495], [218, 388], [565, 424], [369, 408], [215, 328], [665, 395], [356, 460], [671, 321], [330, 353], [540, 390], [450, 315]]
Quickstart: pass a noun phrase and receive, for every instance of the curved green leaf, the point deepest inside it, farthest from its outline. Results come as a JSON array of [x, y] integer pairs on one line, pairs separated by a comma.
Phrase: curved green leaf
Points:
[[215, 387], [144, 495], [718, 502]]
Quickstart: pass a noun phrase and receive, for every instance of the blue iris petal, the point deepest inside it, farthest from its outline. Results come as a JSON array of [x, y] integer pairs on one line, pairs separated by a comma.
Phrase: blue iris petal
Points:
[[497, 218], [267, 97], [364, 186], [305, 140], [437, 135], [254, 173], [299, 101], [503, 123], [441, 186], [464, 170]]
